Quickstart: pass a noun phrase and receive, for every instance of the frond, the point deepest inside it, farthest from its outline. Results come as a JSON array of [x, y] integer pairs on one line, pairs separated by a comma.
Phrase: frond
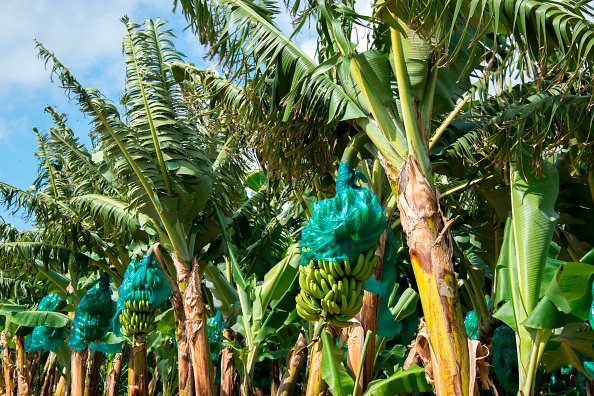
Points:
[[112, 132], [542, 36], [87, 174], [60, 257], [545, 124], [294, 105], [111, 215]]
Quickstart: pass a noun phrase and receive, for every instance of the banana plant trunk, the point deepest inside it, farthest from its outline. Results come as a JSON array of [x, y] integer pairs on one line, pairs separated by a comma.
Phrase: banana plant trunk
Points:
[[92, 379], [78, 361], [61, 385], [49, 371], [113, 379], [6, 365], [137, 368], [194, 363], [295, 360], [430, 249], [315, 383], [227, 367], [21, 367], [368, 318]]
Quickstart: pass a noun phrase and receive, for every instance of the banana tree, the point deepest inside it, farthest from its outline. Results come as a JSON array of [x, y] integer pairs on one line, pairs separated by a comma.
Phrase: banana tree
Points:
[[402, 93], [167, 168]]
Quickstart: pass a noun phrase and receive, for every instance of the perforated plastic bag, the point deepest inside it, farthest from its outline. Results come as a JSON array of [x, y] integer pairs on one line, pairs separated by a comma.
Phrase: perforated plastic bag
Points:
[[216, 325], [471, 325], [142, 281], [43, 337], [93, 315], [345, 226], [505, 358], [386, 325]]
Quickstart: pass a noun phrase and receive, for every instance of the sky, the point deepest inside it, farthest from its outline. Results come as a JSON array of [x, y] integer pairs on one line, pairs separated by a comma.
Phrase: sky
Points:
[[86, 37]]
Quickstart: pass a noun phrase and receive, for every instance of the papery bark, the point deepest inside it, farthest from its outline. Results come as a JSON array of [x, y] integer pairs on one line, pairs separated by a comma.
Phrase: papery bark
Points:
[[295, 360], [430, 250], [78, 360], [113, 378]]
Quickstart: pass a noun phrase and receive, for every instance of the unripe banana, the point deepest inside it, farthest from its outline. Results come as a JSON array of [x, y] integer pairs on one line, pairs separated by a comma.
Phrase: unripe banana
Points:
[[339, 271], [326, 300], [347, 267], [317, 276], [335, 307], [325, 286], [302, 279], [324, 275], [356, 307], [338, 321], [305, 314], [358, 266], [316, 291], [333, 267]]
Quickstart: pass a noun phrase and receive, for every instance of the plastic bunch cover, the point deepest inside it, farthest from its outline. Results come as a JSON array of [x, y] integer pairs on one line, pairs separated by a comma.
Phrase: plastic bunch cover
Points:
[[43, 337], [471, 325], [505, 358], [93, 315], [142, 280], [386, 325], [345, 226], [216, 325]]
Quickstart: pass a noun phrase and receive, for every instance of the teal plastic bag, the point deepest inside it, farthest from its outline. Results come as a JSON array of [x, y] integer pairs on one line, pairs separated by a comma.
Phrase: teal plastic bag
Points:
[[44, 338], [471, 325], [93, 315], [142, 281], [505, 358], [345, 226]]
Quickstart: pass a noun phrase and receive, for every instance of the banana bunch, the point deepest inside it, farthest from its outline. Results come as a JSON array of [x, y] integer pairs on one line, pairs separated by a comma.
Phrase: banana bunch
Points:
[[137, 318], [334, 289]]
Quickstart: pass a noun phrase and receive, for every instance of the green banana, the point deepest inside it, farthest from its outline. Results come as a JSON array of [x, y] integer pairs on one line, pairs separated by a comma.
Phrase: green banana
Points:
[[358, 266], [347, 267], [325, 286], [338, 321], [337, 271]]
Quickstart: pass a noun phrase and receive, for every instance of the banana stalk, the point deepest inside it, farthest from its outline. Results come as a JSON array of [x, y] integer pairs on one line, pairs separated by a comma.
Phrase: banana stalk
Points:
[[137, 368], [94, 363], [49, 370], [77, 372], [227, 367], [295, 360], [21, 367], [315, 383], [430, 253], [113, 379], [8, 379], [368, 319]]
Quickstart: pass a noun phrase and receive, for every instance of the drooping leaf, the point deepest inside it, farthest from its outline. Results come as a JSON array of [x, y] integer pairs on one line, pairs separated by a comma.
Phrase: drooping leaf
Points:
[[334, 374], [402, 381]]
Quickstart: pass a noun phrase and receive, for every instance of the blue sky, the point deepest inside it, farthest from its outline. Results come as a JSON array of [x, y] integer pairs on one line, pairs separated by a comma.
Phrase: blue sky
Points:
[[86, 37]]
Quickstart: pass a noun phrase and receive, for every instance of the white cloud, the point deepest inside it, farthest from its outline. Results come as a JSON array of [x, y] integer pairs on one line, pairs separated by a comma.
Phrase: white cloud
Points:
[[85, 35], [360, 34], [308, 45], [10, 127]]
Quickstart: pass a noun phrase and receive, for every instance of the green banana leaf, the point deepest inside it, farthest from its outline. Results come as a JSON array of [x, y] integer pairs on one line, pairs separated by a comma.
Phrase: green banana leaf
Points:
[[277, 281], [334, 374], [39, 318], [570, 346], [402, 381], [406, 305], [524, 255], [225, 297]]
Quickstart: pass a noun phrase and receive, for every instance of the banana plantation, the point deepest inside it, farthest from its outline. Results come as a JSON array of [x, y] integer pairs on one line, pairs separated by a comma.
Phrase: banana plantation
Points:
[[408, 212]]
